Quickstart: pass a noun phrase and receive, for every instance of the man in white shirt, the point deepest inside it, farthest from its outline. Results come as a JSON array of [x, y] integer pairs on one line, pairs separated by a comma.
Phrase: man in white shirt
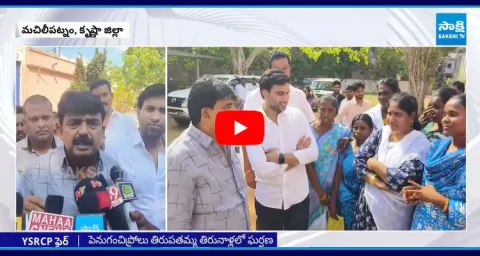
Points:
[[281, 196], [277, 60], [39, 127], [117, 125], [241, 89], [143, 155]]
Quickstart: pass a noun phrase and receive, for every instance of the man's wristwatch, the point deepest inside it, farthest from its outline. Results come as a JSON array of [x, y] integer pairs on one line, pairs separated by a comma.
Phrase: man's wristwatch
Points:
[[281, 159]]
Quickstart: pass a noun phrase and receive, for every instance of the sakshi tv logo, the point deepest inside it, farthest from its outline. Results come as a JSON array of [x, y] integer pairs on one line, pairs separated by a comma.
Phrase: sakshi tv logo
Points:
[[451, 29]]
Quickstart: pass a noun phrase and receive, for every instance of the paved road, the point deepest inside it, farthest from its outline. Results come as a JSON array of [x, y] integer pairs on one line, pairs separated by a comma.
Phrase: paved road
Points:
[[174, 130]]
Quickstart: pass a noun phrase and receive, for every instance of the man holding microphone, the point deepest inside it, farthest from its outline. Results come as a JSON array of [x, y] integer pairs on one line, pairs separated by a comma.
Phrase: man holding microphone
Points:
[[58, 171]]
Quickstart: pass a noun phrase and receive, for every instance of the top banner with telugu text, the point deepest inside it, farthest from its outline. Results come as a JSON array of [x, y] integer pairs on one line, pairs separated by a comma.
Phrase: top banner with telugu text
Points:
[[73, 29]]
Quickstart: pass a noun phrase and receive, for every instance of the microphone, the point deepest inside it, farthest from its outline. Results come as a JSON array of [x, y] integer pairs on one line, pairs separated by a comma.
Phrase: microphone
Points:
[[91, 222], [20, 219], [54, 204], [91, 196], [42, 221], [51, 219], [92, 200], [124, 193]]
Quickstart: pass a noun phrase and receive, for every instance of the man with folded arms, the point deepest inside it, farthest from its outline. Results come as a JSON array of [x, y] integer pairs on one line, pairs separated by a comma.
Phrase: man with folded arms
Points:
[[281, 196], [277, 60]]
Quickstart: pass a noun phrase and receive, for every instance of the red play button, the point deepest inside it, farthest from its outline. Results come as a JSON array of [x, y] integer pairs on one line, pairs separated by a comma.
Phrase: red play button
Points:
[[239, 128]]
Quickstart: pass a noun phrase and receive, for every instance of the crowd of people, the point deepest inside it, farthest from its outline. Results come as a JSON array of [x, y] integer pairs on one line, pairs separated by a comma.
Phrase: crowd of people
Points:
[[87, 137], [382, 167]]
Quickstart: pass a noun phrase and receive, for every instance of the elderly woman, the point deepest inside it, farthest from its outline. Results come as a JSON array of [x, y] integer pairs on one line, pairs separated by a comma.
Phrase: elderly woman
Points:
[[388, 159], [325, 174]]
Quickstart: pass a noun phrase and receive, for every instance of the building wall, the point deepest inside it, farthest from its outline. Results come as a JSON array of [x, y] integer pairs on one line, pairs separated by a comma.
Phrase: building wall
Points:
[[45, 74]]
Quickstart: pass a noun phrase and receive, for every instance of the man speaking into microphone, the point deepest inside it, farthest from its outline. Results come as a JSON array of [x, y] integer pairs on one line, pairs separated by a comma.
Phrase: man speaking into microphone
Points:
[[57, 172]]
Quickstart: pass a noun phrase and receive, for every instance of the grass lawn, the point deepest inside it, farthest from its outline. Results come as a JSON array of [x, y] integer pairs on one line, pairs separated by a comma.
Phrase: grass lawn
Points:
[[373, 99]]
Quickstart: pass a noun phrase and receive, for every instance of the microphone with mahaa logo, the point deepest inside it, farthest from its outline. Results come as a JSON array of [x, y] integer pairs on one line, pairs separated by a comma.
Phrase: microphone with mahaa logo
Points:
[[51, 219]]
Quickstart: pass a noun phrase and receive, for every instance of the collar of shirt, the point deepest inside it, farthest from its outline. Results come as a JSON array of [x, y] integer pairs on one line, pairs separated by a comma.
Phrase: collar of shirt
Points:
[[66, 167], [27, 145], [355, 102], [199, 136], [267, 119]]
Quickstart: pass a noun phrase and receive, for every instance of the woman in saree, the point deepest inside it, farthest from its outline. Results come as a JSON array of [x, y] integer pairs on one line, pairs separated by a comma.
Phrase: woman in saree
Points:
[[431, 118], [362, 127], [325, 174], [386, 162], [441, 197]]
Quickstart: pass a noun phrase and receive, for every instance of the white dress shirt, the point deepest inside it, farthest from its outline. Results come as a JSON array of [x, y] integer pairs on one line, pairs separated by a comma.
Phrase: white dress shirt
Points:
[[297, 100], [242, 91], [119, 126], [148, 179], [275, 186]]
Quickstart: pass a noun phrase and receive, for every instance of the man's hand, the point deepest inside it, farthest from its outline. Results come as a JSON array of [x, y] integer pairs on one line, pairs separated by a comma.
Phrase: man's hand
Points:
[[84, 173], [33, 203], [272, 156], [304, 142], [250, 179], [142, 222]]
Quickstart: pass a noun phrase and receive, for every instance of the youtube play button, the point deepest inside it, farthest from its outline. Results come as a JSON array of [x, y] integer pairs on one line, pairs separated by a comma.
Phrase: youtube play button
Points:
[[239, 127]]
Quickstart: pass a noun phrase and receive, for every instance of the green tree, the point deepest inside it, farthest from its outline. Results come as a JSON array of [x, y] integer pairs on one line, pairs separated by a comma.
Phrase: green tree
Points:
[[79, 83], [422, 65], [253, 60], [96, 68], [389, 62], [142, 66]]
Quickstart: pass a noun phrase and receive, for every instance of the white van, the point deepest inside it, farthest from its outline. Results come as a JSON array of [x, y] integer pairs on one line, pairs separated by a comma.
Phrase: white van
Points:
[[177, 100]]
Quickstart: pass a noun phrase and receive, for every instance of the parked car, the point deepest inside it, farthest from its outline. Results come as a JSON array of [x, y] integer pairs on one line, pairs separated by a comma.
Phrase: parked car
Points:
[[323, 86], [177, 100]]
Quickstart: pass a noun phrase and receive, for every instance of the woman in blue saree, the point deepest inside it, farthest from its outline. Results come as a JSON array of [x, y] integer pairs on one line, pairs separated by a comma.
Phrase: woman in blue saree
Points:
[[362, 127], [441, 197], [325, 174]]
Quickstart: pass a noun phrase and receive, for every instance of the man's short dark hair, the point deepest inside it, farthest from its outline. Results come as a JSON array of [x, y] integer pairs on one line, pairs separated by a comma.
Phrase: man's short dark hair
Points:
[[350, 88], [272, 77], [79, 103], [391, 83], [36, 99], [459, 85], [152, 91], [358, 85], [205, 93], [275, 55], [336, 82], [97, 83], [19, 110]]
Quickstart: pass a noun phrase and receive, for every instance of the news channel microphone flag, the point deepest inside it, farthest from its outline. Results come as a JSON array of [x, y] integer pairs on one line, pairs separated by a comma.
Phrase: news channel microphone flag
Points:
[[381, 27]]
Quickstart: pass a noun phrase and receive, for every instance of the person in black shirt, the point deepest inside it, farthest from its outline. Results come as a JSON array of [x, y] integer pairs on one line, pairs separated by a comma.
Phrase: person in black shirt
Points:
[[337, 86]]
